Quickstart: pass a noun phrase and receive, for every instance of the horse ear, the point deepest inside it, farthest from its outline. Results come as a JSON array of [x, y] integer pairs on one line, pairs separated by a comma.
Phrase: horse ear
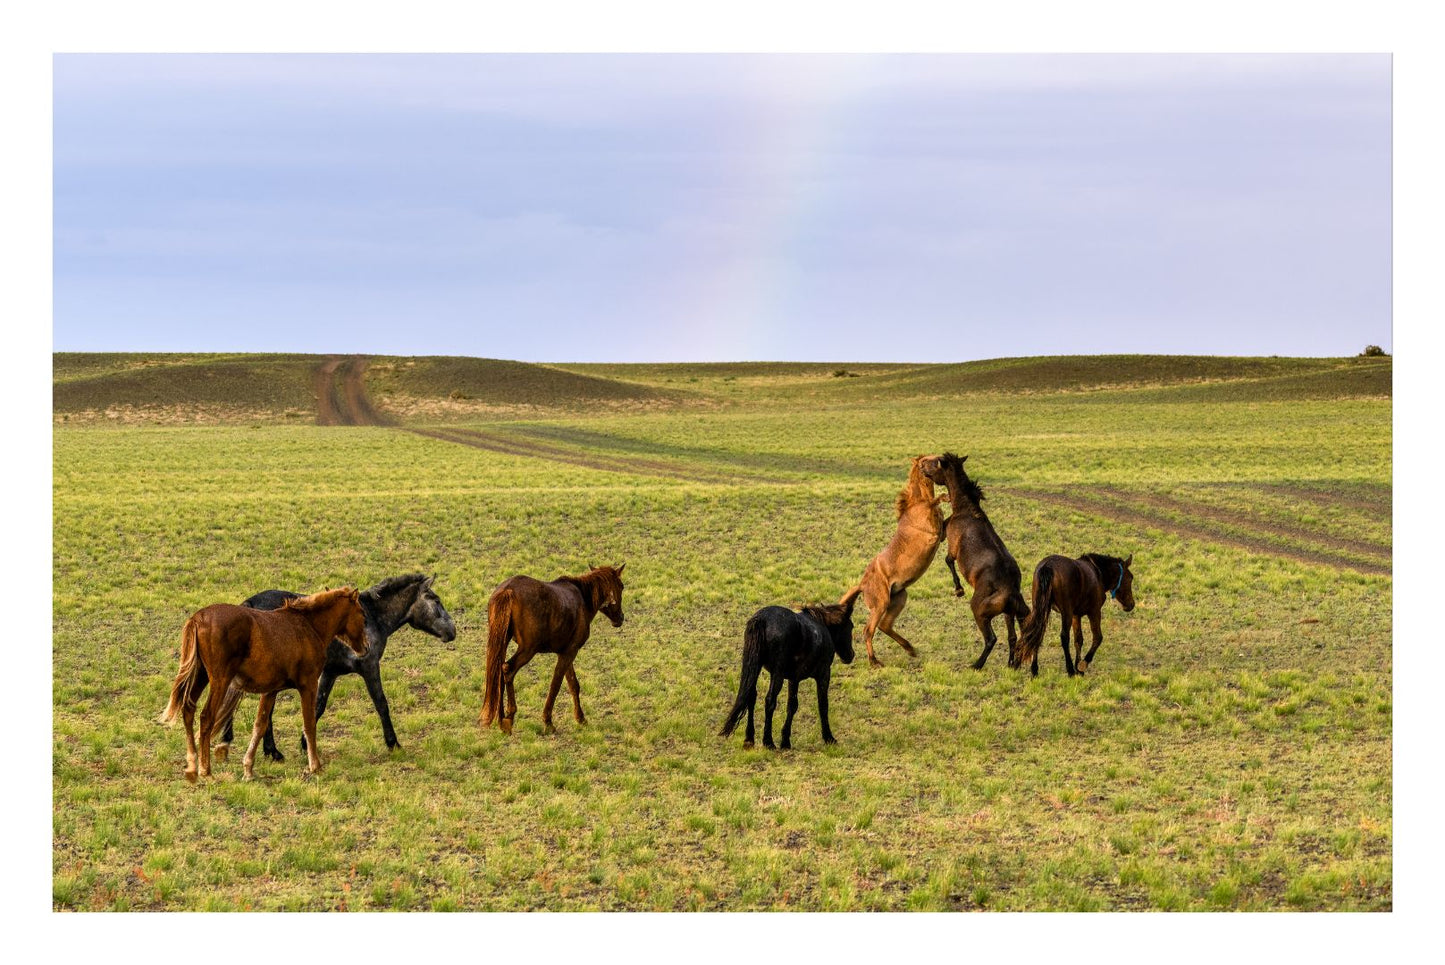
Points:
[[426, 583], [620, 568], [1128, 560], [963, 459]]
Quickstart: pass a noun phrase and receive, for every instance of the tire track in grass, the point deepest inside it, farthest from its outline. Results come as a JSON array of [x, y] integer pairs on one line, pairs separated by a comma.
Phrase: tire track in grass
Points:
[[1125, 512], [329, 403], [511, 445], [1380, 506]]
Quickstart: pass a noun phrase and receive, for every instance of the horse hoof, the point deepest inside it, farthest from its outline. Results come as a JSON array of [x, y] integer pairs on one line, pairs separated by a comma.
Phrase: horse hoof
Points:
[[874, 662], [248, 776], [506, 726], [191, 776], [747, 746], [548, 730], [830, 740], [221, 751], [958, 592]]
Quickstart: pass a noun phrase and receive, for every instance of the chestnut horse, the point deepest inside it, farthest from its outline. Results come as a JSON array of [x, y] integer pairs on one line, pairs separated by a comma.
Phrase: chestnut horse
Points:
[[1076, 588], [987, 564], [240, 650], [886, 579], [553, 617]]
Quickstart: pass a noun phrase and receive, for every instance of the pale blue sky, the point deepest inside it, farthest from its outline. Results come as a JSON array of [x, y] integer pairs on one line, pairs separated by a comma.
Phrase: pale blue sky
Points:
[[682, 207]]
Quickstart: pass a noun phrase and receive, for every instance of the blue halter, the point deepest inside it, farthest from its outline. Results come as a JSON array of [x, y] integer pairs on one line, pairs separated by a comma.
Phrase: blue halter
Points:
[[1115, 590]]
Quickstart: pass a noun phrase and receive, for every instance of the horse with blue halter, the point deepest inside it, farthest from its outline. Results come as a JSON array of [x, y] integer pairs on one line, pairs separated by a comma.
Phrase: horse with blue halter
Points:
[[401, 601], [1076, 588]]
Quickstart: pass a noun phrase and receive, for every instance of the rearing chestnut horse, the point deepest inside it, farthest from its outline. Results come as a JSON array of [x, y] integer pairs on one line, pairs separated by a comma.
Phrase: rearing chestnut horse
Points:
[[886, 579], [553, 617], [987, 564], [1076, 588], [238, 650]]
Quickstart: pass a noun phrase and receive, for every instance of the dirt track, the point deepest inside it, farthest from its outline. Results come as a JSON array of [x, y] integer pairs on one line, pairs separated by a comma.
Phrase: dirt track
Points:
[[1154, 517], [341, 394]]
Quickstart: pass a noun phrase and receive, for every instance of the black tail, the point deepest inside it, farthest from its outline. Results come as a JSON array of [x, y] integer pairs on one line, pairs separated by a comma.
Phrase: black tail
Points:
[[748, 681], [1032, 634]]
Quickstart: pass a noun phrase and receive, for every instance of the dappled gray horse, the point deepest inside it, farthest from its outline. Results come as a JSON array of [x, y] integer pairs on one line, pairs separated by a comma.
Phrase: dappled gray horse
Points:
[[389, 606]]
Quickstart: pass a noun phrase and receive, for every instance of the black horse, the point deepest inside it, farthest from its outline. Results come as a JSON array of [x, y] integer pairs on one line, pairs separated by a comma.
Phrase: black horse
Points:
[[390, 605], [987, 564], [793, 647]]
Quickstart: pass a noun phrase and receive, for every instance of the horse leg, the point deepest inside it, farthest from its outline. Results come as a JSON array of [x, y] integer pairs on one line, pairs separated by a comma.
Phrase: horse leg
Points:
[[748, 737], [323, 695], [823, 706], [1078, 641], [517, 661], [895, 607], [1064, 639], [1013, 634], [1097, 636], [371, 674], [557, 674], [875, 614], [263, 724], [957, 586], [209, 718], [576, 689], [308, 726], [787, 743], [188, 715], [984, 620], [223, 749], [770, 704]]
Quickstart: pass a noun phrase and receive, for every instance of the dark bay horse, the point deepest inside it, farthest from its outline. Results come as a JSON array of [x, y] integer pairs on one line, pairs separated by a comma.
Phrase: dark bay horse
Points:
[[389, 605], [793, 647], [553, 617], [1076, 588], [987, 564], [885, 581], [240, 650]]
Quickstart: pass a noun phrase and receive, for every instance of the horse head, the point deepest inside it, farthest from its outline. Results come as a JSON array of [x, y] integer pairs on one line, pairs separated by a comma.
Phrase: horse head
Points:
[[837, 619], [1125, 592], [607, 583], [429, 616]]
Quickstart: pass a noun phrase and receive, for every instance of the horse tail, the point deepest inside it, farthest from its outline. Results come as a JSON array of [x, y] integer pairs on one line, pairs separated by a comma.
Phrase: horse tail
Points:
[[1032, 634], [748, 680], [499, 632], [851, 595], [183, 688]]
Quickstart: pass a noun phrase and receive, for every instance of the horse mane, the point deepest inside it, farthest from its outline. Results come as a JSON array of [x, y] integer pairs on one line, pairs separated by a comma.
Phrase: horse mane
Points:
[[1101, 560], [828, 614], [595, 577], [968, 486], [391, 584], [917, 489], [317, 601]]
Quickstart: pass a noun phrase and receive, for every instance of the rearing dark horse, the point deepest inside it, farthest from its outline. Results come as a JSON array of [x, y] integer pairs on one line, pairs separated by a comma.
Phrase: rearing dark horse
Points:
[[553, 617], [1076, 588], [389, 605], [987, 564]]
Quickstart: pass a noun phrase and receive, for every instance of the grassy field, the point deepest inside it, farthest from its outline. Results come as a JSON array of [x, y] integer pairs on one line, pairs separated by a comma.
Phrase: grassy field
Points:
[[1229, 750]]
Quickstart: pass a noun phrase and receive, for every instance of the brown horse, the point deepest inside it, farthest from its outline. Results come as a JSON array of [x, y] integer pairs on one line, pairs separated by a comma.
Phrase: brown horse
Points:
[[240, 650], [886, 579], [1076, 588], [553, 617], [987, 564]]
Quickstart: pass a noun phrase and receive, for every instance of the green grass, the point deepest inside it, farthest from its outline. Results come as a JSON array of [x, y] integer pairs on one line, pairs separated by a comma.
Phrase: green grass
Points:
[[1230, 749]]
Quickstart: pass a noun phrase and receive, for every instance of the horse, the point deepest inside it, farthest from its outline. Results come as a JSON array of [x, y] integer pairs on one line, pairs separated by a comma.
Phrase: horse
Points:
[[987, 564], [885, 581], [791, 646], [1076, 588], [553, 617], [240, 650], [389, 605]]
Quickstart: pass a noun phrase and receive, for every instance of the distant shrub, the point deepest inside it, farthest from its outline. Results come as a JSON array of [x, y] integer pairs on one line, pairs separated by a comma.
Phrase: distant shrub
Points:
[[458, 395], [1372, 351], [844, 374]]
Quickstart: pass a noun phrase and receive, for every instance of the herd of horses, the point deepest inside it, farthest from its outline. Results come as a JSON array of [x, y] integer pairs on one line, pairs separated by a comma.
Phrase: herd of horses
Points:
[[279, 640]]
